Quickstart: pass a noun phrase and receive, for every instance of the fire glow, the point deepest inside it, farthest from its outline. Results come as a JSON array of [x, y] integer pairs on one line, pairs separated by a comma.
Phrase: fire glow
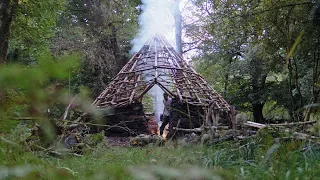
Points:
[[153, 128]]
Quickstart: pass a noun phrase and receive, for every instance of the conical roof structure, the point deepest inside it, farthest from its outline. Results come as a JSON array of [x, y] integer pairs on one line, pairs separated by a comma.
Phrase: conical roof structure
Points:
[[157, 63]]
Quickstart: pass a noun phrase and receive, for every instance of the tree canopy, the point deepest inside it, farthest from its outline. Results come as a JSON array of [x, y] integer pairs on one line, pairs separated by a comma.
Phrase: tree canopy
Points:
[[57, 56], [263, 56], [259, 51]]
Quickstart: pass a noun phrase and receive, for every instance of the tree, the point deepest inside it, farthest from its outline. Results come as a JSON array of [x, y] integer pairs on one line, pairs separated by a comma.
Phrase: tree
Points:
[[101, 31], [231, 27], [7, 11], [32, 29]]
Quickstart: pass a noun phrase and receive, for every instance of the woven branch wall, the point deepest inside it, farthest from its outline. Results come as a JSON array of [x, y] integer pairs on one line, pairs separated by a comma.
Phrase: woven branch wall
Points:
[[157, 63]]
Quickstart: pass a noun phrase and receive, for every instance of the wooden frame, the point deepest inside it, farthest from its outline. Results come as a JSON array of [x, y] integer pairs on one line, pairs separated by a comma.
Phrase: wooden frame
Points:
[[157, 63]]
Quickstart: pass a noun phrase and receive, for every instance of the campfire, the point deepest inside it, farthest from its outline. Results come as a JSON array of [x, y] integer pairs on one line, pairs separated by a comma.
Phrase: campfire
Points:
[[153, 126]]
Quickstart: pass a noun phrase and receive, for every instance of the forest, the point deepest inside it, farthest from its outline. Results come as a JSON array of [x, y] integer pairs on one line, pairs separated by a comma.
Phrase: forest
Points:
[[59, 58]]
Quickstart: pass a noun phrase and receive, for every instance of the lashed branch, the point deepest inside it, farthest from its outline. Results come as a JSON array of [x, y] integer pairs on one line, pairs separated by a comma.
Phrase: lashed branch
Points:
[[157, 63]]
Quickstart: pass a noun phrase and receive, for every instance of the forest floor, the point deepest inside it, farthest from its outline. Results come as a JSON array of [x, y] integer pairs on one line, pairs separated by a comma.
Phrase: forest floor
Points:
[[264, 156], [118, 141]]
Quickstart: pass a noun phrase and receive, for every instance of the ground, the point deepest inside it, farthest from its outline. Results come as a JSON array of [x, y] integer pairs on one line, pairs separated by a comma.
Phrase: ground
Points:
[[262, 157], [117, 141]]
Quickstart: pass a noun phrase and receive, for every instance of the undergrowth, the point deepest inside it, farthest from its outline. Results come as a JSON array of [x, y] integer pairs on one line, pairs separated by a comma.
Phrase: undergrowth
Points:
[[262, 157]]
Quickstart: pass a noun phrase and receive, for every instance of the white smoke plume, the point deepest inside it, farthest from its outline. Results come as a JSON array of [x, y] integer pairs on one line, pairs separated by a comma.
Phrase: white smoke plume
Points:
[[156, 17]]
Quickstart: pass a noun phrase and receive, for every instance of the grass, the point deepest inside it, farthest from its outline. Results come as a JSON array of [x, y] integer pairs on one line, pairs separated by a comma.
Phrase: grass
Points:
[[262, 157]]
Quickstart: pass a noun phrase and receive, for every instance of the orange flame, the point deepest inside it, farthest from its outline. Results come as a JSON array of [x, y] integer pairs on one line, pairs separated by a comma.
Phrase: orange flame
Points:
[[153, 126], [165, 132]]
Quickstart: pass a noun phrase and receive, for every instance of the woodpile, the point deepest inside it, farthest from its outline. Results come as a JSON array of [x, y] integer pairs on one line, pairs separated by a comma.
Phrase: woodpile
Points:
[[295, 130], [190, 116], [214, 134], [127, 121], [186, 118]]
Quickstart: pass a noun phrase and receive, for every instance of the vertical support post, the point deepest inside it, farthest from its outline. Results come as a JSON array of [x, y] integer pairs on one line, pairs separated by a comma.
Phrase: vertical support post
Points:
[[233, 121]]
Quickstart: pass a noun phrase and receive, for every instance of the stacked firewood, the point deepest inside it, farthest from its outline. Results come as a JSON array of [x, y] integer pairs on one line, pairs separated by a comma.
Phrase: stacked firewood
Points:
[[127, 121], [185, 115], [126, 126]]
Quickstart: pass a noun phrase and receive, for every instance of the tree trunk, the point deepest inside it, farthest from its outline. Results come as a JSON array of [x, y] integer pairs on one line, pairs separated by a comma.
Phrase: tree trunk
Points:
[[7, 11], [178, 28], [257, 112], [120, 60], [6, 15], [258, 84], [226, 77], [5, 20], [292, 109], [300, 104]]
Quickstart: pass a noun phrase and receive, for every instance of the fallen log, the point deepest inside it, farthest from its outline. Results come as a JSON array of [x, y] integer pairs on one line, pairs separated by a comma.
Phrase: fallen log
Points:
[[143, 140], [26, 118], [302, 136], [293, 124], [297, 135], [200, 129], [188, 130], [254, 124], [259, 125]]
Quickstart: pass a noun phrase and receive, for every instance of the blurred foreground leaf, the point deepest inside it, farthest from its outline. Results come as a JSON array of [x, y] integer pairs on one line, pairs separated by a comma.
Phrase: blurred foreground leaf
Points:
[[194, 173], [18, 171]]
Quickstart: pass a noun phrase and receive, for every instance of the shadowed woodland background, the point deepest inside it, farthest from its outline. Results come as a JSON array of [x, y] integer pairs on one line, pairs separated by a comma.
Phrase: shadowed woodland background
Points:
[[262, 56]]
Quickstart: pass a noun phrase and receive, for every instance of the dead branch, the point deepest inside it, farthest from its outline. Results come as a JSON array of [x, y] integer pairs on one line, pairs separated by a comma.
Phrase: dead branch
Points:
[[259, 125], [201, 129], [98, 125], [293, 124], [65, 114], [254, 124]]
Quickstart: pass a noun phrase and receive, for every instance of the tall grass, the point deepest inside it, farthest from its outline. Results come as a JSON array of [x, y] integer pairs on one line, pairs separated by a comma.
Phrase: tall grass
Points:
[[262, 157]]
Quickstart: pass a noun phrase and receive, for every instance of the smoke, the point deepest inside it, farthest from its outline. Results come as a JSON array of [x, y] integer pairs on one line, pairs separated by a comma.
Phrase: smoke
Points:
[[178, 28], [156, 18], [158, 105]]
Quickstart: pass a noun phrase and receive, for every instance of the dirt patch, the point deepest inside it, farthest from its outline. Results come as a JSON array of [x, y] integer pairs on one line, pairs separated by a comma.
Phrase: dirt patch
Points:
[[117, 141]]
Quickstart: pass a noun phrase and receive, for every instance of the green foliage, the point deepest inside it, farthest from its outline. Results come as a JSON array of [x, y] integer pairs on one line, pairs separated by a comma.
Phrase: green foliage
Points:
[[31, 91], [266, 156], [148, 103], [316, 129], [94, 139], [33, 27], [244, 44], [15, 76], [272, 110], [101, 31]]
